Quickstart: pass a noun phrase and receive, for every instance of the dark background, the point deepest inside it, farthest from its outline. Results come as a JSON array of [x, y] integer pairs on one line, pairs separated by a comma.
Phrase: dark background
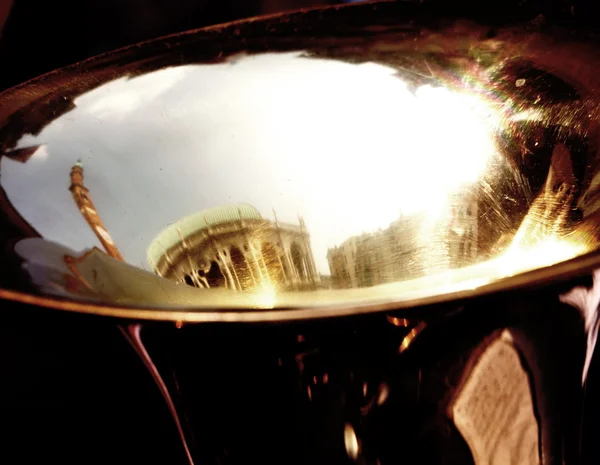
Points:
[[41, 35]]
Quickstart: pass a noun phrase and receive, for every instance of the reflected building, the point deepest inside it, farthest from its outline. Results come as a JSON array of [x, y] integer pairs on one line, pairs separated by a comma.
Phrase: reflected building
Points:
[[82, 199], [59, 270], [410, 247], [380, 257], [463, 233], [235, 247]]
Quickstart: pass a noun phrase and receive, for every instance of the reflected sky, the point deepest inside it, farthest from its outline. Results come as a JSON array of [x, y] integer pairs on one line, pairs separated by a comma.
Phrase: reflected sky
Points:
[[348, 147]]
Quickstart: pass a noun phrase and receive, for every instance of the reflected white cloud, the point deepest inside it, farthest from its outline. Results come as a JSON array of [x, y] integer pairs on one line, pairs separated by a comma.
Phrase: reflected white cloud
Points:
[[346, 146], [117, 99]]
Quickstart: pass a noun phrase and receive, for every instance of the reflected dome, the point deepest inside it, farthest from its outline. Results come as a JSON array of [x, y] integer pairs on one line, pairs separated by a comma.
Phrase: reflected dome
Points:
[[235, 247]]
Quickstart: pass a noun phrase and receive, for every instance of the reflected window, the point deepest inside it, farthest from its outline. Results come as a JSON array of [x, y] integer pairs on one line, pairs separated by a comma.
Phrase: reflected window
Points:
[[298, 260], [215, 277], [272, 262], [241, 268]]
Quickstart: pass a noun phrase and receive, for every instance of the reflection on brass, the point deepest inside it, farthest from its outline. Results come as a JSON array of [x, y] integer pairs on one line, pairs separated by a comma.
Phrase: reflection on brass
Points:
[[384, 392], [411, 336], [494, 409], [351, 442], [72, 263], [133, 334], [397, 252], [400, 322], [587, 302], [82, 198], [328, 164], [234, 247], [416, 163]]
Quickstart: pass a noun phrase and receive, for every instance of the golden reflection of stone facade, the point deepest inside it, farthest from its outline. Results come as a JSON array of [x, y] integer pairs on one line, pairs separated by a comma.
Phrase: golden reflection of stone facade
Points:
[[234, 247], [84, 202], [463, 234], [410, 247]]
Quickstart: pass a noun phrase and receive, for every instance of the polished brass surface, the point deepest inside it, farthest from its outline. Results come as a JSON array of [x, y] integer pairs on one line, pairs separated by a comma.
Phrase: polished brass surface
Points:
[[406, 199], [280, 164]]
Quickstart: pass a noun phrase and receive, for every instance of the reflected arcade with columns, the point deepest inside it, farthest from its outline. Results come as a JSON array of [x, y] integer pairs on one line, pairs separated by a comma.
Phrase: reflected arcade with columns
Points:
[[235, 247]]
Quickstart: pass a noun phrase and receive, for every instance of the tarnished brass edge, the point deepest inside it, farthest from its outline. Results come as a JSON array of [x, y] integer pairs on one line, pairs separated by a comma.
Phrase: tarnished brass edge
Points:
[[213, 28]]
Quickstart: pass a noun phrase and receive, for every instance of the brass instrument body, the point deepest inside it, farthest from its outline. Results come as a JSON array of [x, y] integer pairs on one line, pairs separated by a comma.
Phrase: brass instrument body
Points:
[[361, 234]]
